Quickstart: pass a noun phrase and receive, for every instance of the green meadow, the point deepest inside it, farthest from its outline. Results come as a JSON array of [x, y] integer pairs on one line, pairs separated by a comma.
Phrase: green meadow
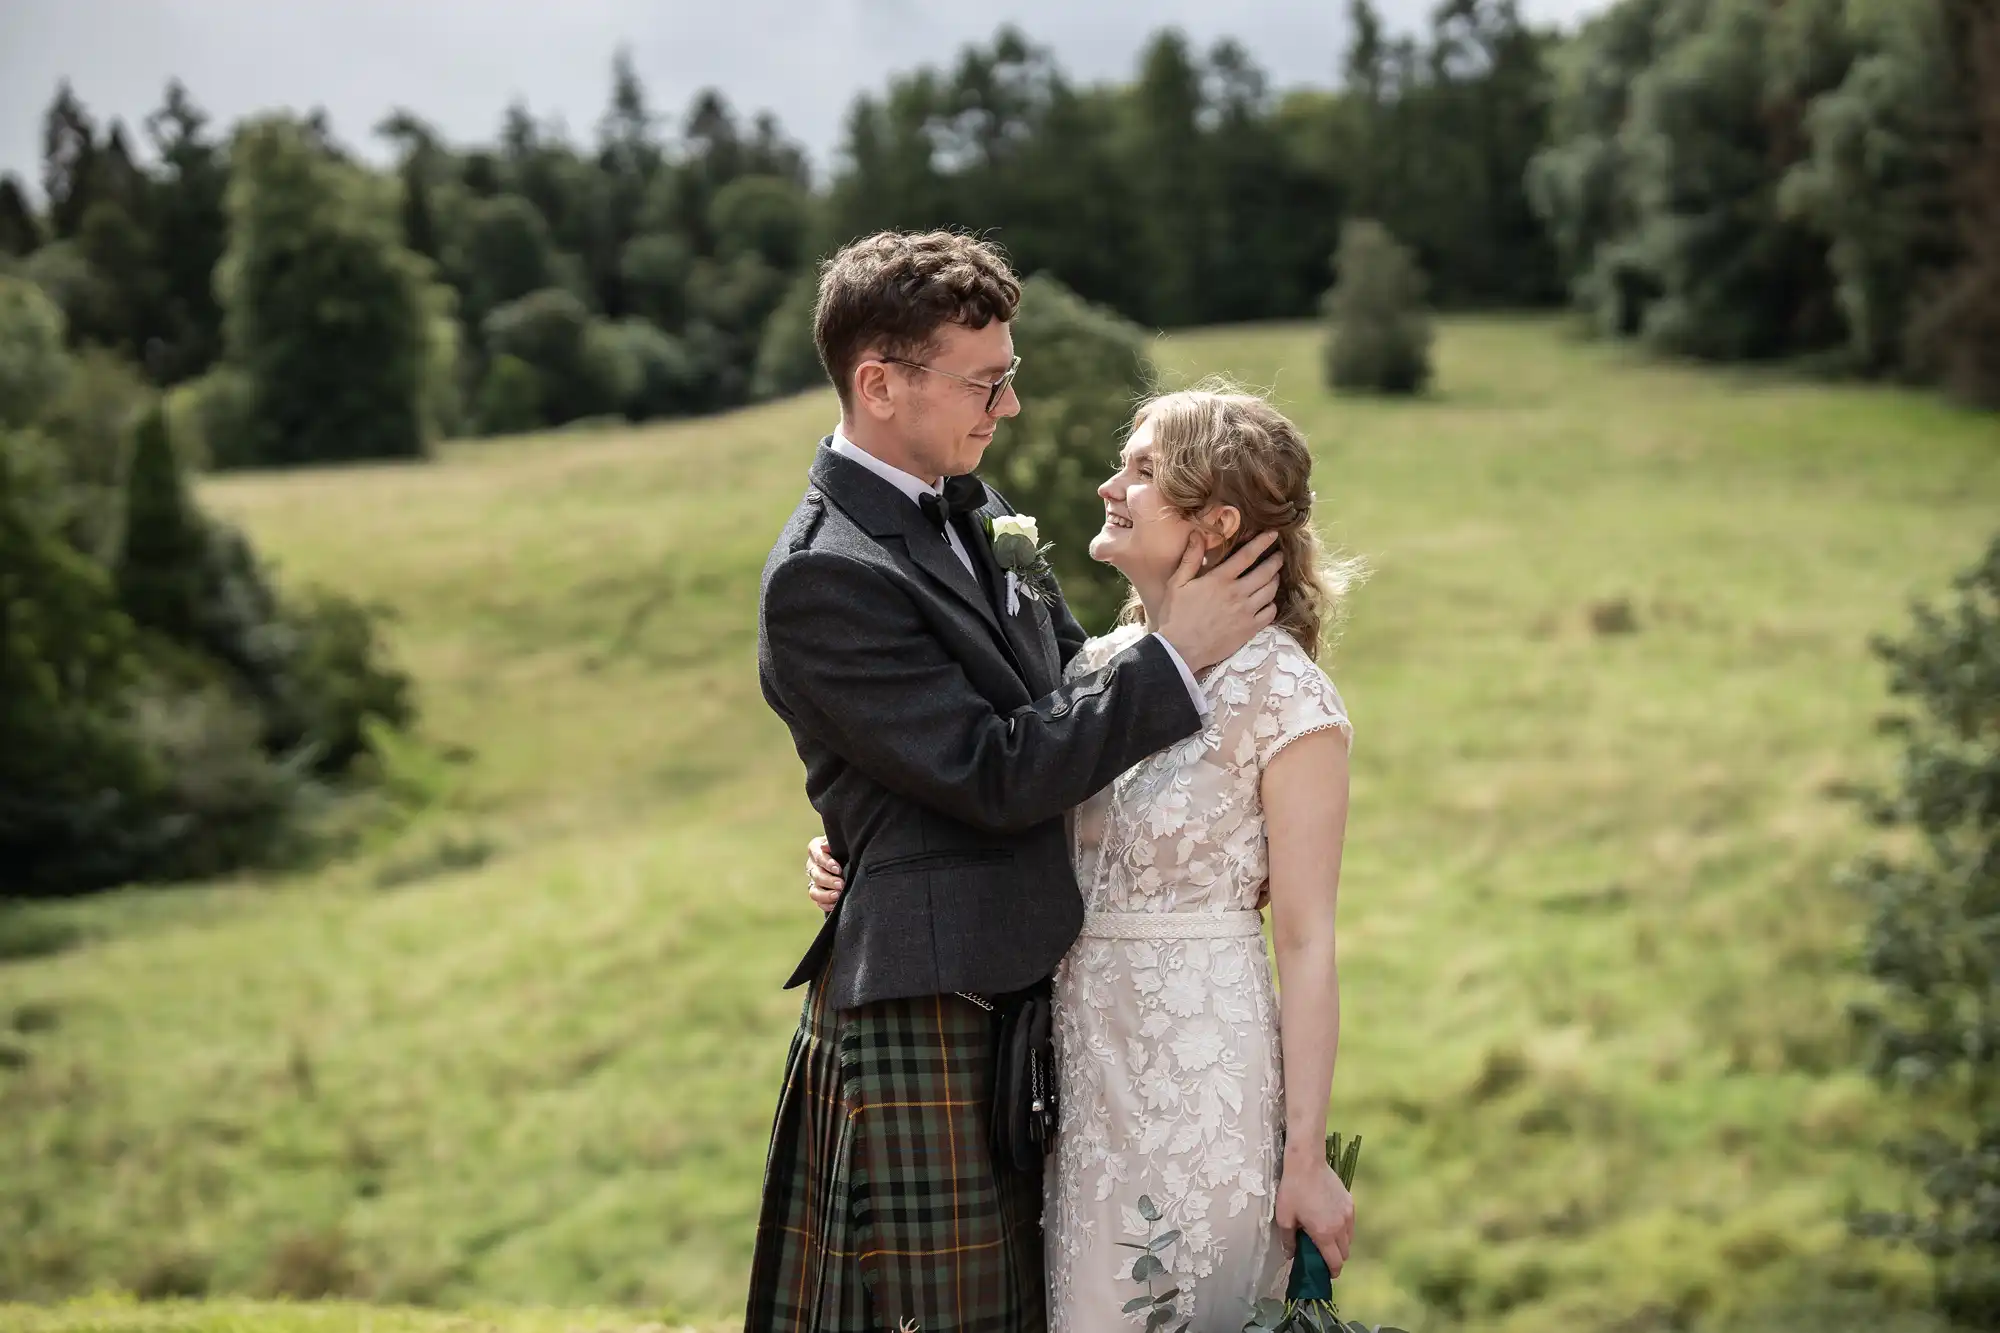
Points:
[[515, 1054]]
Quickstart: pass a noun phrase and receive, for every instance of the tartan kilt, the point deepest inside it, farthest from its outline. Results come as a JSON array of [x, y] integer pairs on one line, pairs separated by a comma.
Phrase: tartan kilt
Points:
[[883, 1206]]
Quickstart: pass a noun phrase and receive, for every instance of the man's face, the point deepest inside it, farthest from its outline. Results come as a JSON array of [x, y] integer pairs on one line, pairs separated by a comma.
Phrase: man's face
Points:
[[943, 420]]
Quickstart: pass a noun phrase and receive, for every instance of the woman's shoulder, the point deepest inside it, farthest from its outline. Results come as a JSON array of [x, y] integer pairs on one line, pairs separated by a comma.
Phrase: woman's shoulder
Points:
[[1270, 651], [1274, 674]]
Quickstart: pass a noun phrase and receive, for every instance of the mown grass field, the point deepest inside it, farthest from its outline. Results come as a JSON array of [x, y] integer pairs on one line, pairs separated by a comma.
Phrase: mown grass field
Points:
[[523, 1052]]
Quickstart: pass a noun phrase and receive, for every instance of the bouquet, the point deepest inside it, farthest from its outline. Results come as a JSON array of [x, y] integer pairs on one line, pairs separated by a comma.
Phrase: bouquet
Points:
[[1308, 1305]]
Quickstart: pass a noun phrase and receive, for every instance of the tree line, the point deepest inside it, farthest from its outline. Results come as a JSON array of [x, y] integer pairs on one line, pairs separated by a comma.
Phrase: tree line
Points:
[[1819, 179], [1730, 179], [536, 280]]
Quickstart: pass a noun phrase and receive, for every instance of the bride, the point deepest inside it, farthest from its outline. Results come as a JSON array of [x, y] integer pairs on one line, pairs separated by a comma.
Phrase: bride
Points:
[[1183, 1077]]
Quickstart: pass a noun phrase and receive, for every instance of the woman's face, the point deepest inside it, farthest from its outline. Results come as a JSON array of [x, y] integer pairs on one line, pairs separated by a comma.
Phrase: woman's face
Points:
[[1143, 536]]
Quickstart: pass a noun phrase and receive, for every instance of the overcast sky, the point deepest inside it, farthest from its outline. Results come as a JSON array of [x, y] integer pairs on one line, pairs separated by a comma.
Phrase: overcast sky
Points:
[[457, 63]]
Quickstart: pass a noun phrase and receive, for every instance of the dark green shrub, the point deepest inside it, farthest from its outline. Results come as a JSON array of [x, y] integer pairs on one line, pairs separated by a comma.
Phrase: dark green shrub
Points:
[[1378, 332], [1083, 371]]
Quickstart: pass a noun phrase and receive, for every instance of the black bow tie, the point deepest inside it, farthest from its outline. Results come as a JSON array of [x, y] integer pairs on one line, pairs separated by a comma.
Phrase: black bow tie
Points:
[[962, 495]]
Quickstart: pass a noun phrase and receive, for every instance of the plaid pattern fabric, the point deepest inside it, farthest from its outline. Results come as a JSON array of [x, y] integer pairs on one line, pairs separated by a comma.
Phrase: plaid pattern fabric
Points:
[[883, 1207]]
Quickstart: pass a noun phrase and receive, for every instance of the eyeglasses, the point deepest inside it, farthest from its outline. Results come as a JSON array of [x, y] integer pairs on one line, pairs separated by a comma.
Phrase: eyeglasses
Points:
[[995, 389]]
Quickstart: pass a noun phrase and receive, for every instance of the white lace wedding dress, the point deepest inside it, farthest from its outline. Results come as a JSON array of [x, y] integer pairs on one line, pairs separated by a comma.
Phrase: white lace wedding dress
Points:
[[1171, 1085]]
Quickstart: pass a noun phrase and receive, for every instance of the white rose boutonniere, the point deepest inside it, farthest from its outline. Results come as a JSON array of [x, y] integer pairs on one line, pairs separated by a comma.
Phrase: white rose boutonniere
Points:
[[1017, 525], [1018, 549]]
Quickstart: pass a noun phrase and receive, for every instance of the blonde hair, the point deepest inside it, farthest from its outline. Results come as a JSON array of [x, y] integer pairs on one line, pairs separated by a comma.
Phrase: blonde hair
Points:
[[1215, 445]]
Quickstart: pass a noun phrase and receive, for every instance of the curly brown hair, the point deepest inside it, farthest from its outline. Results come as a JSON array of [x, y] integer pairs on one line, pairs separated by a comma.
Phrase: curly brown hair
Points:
[[1218, 446], [892, 292]]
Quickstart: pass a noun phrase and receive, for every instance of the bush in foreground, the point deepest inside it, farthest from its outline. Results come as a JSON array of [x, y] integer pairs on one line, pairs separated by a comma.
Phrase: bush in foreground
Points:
[[1933, 945], [165, 713]]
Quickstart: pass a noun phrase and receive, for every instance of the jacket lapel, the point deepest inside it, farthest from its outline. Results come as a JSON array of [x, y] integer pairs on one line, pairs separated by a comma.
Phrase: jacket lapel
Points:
[[885, 513], [1032, 643]]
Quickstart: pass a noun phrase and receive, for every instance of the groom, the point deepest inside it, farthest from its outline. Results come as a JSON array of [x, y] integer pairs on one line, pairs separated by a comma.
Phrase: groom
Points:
[[942, 751]]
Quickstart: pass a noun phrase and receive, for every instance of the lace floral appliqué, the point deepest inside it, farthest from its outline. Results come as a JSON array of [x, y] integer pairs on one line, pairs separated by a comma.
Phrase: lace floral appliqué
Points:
[[1167, 1048]]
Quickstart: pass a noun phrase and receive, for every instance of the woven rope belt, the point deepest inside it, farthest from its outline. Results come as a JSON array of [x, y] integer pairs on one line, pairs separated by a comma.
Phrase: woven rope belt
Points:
[[1171, 925]]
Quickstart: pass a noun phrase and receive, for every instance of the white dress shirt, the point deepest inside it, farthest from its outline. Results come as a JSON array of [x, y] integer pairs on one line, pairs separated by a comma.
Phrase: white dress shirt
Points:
[[914, 487], [917, 487]]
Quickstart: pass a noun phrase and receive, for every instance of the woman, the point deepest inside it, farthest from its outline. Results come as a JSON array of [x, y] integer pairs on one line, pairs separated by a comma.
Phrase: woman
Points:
[[1182, 1077]]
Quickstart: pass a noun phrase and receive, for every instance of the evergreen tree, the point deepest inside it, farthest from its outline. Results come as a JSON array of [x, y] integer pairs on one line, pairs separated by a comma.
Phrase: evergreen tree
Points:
[[116, 245], [1493, 86], [20, 229], [189, 231], [418, 226], [630, 158], [772, 152], [1372, 154], [412, 135], [1173, 189], [1260, 246], [76, 783], [160, 560], [1068, 212], [69, 161], [118, 177], [326, 313], [629, 147], [713, 155]]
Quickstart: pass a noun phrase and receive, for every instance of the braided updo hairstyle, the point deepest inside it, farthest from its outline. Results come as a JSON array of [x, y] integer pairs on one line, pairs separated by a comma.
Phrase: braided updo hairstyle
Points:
[[1221, 447]]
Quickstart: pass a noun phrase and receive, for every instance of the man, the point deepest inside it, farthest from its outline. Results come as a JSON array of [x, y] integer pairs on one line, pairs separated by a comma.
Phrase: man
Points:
[[943, 752]]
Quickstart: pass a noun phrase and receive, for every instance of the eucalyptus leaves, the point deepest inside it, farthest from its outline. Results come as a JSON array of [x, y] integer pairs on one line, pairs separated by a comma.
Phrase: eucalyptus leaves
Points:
[[1308, 1306], [1149, 1266]]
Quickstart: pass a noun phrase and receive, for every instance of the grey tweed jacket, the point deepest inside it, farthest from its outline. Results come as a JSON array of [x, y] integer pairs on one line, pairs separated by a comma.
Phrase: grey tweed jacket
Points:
[[942, 749]]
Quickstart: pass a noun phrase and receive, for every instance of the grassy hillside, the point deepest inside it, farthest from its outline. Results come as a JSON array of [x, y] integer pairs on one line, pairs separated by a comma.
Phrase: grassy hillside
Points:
[[123, 1314], [525, 1051]]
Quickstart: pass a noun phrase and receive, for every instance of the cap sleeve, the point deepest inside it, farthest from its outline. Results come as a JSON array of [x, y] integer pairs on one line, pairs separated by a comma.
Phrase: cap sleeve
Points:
[[1295, 699]]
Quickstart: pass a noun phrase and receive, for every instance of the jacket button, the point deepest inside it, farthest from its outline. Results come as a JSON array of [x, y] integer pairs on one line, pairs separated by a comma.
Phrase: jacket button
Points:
[[1061, 707]]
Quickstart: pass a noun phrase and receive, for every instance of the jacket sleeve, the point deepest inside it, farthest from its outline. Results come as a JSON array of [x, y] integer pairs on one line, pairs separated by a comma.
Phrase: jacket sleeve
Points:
[[853, 660]]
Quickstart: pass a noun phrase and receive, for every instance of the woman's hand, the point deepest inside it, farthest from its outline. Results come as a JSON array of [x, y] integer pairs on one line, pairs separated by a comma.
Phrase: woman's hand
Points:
[[1311, 1197], [823, 881]]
